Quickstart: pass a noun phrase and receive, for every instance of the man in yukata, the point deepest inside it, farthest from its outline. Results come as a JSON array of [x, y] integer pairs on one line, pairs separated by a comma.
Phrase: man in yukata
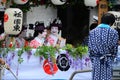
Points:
[[103, 44]]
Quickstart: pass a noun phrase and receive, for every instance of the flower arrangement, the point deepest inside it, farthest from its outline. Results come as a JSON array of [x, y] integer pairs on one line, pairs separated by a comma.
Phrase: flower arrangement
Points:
[[77, 51], [48, 51]]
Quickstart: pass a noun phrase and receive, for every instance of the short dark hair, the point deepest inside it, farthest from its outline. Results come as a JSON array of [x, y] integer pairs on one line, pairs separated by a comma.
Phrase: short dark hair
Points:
[[108, 18]]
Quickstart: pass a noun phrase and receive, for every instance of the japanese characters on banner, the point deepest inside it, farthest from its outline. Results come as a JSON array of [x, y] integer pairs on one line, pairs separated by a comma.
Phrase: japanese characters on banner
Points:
[[20, 1], [58, 2], [91, 3], [13, 21], [117, 20]]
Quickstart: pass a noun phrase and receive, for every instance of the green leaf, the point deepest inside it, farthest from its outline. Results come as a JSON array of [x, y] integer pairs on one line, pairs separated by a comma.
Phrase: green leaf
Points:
[[20, 60]]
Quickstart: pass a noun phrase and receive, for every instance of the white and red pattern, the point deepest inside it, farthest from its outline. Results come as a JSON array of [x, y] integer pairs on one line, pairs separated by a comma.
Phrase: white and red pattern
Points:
[[35, 43], [50, 40]]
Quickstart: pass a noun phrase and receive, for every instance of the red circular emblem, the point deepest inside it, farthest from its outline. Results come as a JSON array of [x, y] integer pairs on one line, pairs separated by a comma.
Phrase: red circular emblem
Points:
[[50, 68], [5, 17]]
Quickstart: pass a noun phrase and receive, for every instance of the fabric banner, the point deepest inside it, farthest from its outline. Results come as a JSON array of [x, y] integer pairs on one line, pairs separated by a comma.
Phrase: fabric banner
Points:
[[32, 67]]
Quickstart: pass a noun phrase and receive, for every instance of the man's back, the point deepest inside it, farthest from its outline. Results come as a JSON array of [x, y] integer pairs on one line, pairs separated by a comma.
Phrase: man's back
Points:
[[102, 40]]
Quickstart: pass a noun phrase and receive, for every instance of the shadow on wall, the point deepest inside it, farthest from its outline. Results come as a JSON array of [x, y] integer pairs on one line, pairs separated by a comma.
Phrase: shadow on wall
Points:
[[75, 21]]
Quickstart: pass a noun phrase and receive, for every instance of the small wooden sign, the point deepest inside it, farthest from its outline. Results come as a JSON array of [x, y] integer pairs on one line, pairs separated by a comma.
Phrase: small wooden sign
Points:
[[103, 8]]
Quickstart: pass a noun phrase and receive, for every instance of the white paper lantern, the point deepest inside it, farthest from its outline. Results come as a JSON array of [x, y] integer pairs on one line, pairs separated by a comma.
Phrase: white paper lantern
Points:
[[13, 21], [117, 20], [20, 1], [91, 3], [58, 2]]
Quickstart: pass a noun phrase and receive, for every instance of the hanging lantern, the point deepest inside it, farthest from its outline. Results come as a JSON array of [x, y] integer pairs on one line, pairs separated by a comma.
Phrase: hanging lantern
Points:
[[91, 3], [58, 2], [116, 24], [13, 21], [3, 1], [20, 1], [97, 2]]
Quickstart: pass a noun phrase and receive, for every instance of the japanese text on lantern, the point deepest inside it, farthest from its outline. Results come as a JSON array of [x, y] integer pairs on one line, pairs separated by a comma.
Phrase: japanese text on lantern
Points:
[[17, 20]]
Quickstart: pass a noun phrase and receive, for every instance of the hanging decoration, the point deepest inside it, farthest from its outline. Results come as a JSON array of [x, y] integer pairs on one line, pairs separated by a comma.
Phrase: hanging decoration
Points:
[[21, 2], [13, 21], [116, 24], [91, 3], [58, 2], [3, 1], [49, 67], [63, 62]]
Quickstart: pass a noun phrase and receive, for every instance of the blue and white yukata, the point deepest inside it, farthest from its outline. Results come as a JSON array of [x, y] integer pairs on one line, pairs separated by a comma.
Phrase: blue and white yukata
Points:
[[103, 44]]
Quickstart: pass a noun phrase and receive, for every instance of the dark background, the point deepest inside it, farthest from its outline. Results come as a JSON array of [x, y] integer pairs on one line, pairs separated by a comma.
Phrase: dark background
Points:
[[75, 22], [1, 21]]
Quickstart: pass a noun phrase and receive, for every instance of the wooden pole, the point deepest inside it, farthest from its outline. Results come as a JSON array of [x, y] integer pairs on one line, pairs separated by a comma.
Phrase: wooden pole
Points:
[[103, 8]]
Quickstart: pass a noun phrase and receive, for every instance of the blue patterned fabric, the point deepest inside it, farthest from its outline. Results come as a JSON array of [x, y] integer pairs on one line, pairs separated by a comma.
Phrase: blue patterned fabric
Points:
[[102, 40]]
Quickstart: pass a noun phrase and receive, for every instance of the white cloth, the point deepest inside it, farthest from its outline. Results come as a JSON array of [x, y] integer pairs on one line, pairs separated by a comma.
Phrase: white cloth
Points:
[[32, 70]]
